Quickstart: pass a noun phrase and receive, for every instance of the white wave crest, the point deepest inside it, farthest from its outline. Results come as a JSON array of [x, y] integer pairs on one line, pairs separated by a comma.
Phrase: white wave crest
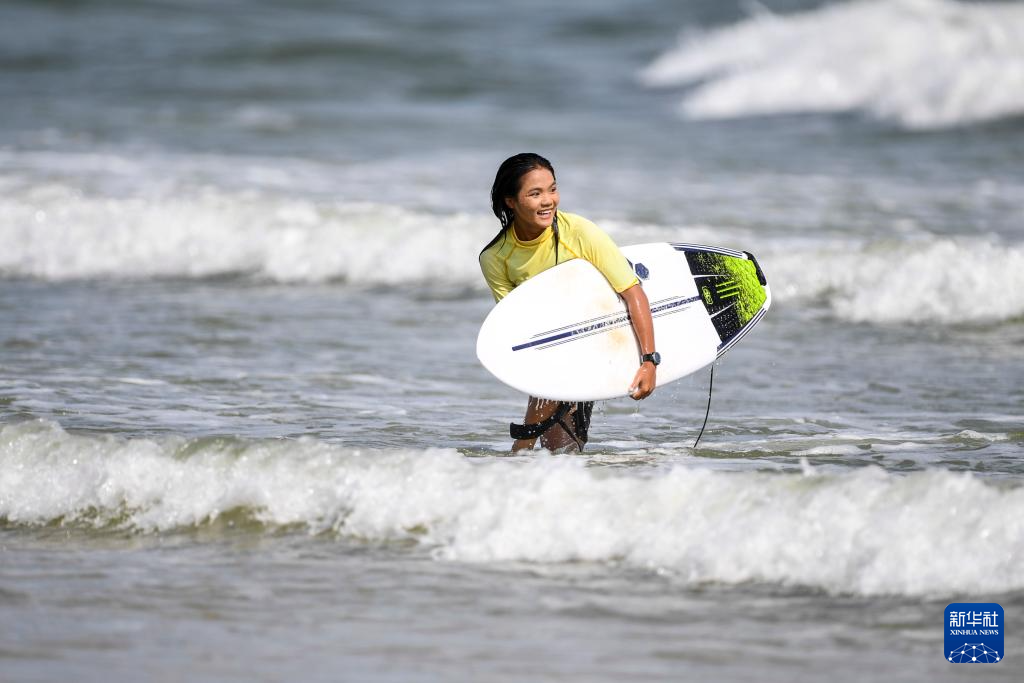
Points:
[[53, 232], [56, 233], [866, 532], [938, 280], [921, 63]]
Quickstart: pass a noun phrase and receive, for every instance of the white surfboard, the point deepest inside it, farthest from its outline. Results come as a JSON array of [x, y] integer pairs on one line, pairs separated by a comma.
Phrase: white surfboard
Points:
[[565, 334]]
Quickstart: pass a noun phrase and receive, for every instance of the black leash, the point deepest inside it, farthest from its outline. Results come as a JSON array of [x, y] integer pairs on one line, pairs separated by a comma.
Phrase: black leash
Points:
[[532, 431], [581, 421], [711, 383]]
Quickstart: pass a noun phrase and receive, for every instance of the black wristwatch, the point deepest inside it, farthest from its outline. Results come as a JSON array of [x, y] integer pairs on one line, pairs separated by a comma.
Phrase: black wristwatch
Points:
[[653, 357]]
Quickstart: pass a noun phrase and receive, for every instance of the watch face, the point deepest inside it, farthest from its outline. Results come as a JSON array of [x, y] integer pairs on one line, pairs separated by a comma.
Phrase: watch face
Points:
[[653, 357]]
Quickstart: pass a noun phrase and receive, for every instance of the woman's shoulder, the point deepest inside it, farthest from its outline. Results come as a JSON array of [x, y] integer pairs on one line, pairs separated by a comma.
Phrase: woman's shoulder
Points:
[[574, 221], [583, 228], [494, 249]]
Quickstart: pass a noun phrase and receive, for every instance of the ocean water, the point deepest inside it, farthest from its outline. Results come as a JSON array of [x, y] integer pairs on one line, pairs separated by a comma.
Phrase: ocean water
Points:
[[243, 432]]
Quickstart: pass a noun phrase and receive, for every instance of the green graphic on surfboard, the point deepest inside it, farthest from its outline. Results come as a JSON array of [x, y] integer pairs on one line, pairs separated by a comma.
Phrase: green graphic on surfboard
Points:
[[731, 288]]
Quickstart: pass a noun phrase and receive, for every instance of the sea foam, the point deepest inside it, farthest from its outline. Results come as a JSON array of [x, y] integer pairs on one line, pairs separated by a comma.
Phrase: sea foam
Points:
[[865, 532], [55, 233], [919, 63], [58, 233], [936, 280]]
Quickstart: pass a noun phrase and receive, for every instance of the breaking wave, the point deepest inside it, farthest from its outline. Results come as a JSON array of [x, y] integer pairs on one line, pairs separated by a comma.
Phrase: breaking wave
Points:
[[938, 280], [922, 64], [55, 233], [865, 532]]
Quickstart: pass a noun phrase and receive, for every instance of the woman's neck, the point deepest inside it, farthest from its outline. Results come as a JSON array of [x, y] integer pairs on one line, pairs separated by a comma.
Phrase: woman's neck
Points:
[[528, 233]]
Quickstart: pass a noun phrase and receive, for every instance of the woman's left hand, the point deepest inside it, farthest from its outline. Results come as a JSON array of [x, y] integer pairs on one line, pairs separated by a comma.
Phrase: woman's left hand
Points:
[[640, 316], [644, 381]]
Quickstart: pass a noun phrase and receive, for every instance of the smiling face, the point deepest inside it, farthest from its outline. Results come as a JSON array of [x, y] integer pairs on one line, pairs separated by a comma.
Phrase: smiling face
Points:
[[535, 203]]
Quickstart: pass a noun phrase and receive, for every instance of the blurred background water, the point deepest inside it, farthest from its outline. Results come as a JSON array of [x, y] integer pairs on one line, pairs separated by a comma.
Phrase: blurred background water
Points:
[[243, 432]]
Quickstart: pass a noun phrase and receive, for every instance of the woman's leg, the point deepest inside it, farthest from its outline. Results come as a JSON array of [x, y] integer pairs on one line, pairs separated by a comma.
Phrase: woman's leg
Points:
[[537, 410], [557, 438]]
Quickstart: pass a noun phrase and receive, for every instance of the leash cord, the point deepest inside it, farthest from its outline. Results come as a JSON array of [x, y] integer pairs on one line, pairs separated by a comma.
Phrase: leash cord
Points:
[[711, 383]]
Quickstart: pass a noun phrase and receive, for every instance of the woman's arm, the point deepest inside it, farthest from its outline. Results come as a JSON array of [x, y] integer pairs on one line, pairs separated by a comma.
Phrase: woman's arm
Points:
[[495, 275], [640, 314]]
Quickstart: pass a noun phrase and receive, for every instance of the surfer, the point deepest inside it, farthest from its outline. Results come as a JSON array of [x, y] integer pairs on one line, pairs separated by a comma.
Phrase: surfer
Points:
[[535, 236]]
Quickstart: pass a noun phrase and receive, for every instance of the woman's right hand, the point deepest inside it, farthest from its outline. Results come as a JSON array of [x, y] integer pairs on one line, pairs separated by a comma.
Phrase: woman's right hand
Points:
[[644, 382]]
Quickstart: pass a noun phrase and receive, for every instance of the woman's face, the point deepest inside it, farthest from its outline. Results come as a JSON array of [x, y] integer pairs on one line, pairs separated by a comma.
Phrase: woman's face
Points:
[[535, 203]]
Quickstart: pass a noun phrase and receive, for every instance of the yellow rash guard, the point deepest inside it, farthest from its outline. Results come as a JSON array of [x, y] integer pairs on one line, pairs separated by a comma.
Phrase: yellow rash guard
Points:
[[509, 262]]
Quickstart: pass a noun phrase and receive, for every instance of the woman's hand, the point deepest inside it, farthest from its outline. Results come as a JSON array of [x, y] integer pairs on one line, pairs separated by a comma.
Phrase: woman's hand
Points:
[[644, 382], [640, 315]]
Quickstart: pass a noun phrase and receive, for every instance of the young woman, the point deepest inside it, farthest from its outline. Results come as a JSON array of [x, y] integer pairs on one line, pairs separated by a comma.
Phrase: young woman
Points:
[[535, 236]]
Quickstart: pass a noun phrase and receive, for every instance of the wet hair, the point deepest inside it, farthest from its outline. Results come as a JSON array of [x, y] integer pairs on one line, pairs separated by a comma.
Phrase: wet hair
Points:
[[506, 184]]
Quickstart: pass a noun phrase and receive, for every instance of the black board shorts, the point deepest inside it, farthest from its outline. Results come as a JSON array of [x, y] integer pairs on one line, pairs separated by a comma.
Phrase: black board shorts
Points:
[[581, 422]]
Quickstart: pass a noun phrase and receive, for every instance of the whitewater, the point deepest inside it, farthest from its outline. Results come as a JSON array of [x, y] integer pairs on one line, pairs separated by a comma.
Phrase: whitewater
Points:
[[55, 234], [920, 64], [829, 531]]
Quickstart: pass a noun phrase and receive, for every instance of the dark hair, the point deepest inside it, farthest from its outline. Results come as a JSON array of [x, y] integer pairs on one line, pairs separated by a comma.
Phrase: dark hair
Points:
[[506, 184]]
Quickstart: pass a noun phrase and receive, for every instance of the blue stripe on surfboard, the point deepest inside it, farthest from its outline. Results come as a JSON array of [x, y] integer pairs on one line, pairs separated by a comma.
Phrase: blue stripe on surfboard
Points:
[[588, 334], [595, 319], [587, 330], [684, 246]]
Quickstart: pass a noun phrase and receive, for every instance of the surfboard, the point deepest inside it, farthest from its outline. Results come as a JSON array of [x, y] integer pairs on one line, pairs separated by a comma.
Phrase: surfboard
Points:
[[565, 334]]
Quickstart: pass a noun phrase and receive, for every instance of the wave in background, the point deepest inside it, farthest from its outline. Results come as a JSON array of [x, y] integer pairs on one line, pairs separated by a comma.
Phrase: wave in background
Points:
[[53, 232], [937, 280], [70, 236], [922, 64], [864, 532]]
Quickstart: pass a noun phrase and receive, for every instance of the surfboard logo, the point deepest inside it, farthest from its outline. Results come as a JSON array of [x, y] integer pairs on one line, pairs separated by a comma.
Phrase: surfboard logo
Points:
[[642, 271], [727, 289], [708, 297]]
